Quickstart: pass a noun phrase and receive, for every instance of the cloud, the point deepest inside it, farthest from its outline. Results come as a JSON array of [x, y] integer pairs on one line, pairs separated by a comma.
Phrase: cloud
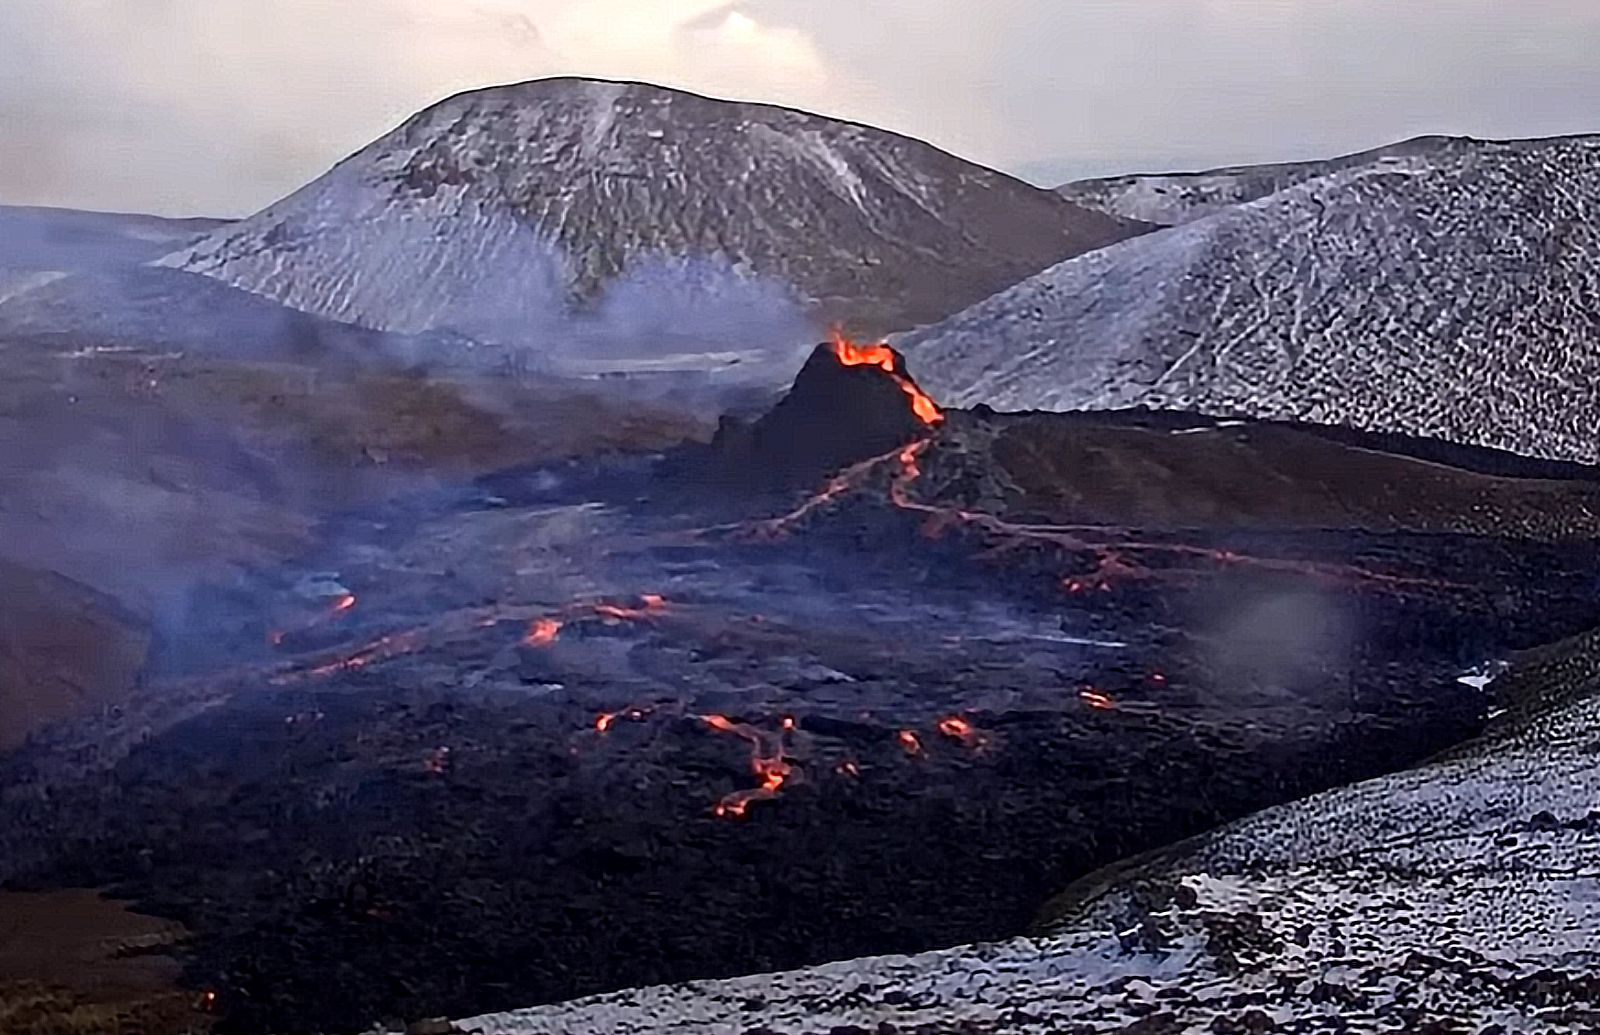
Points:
[[220, 106]]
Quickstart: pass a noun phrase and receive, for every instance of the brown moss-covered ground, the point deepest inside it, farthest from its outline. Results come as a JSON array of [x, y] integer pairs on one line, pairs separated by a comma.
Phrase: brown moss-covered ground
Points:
[[73, 963]]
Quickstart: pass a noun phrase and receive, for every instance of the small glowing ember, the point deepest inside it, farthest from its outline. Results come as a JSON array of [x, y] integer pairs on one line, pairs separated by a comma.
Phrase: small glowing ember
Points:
[[881, 356], [1095, 699], [909, 742], [847, 769], [957, 728], [542, 632]]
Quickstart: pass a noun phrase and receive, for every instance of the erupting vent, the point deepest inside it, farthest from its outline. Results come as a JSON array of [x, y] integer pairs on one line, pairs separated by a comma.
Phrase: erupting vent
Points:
[[886, 359], [850, 402]]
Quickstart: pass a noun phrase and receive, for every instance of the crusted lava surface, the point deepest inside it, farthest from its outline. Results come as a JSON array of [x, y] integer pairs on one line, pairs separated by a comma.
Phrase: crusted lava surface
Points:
[[614, 722]]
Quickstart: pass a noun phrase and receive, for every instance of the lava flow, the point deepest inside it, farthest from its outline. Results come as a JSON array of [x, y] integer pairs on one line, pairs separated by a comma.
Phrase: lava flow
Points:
[[880, 355], [542, 632], [957, 728], [767, 762], [649, 604], [340, 605]]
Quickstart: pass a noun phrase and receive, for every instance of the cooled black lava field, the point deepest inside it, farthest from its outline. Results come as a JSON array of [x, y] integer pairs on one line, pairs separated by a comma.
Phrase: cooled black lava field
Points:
[[656, 718]]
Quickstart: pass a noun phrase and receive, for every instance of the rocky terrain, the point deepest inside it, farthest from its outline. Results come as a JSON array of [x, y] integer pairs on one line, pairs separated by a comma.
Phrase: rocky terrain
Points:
[[1168, 199], [1457, 896], [490, 209], [603, 723], [1450, 294], [133, 474], [421, 598]]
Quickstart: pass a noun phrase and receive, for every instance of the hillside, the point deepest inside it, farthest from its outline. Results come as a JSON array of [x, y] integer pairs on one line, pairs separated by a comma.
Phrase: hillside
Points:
[[1444, 295], [1169, 199], [40, 244], [143, 307], [489, 210]]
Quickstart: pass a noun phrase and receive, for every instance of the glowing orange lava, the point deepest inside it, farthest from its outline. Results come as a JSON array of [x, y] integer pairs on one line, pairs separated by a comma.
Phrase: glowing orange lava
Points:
[[1095, 699], [767, 762], [340, 605], [542, 632], [851, 354], [909, 742], [957, 728], [649, 604], [606, 720]]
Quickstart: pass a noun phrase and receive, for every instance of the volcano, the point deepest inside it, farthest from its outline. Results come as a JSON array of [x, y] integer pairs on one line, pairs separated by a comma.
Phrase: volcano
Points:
[[1448, 294], [492, 198], [604, 722], [848, 403]]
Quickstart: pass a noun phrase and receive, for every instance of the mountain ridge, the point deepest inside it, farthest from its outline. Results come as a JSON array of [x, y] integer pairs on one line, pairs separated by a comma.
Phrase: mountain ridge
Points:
[[493, 205], [1449, 296]]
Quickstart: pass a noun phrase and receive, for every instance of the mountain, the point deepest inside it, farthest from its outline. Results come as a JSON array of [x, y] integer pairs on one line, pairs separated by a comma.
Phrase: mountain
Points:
[[1448, 295], [144, 307], [487, 210], [1168, 199], [39, 244]]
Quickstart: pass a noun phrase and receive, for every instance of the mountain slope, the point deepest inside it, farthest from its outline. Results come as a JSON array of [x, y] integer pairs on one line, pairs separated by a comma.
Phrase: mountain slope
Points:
[[449, 219], [1451, 296], [39, 244], [1169, 199], [153, 308]]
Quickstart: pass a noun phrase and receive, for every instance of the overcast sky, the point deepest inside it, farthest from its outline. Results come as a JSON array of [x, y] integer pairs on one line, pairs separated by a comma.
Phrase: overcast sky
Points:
[[218, 107]]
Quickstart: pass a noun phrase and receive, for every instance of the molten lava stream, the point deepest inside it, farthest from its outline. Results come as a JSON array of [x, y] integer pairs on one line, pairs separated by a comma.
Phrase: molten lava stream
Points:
[[767, 762], [542, 632], [880, 355]]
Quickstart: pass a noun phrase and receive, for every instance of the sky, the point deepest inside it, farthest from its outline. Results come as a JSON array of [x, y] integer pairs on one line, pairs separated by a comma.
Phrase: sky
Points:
[[218, 107]]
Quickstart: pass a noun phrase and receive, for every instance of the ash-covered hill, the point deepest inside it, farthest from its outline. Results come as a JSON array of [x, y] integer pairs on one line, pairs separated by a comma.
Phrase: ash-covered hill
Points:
[[449, 220], [1455, 296], [1168, 199]]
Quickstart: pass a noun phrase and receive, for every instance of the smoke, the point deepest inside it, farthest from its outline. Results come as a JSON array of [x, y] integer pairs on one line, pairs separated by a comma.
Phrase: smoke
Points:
[[1266, 642], [172, 434]]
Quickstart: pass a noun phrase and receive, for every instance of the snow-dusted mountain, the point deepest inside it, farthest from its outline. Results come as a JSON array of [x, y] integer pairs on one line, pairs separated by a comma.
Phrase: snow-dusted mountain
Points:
[[487, 209], [1451, 294], [1168, 199]]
